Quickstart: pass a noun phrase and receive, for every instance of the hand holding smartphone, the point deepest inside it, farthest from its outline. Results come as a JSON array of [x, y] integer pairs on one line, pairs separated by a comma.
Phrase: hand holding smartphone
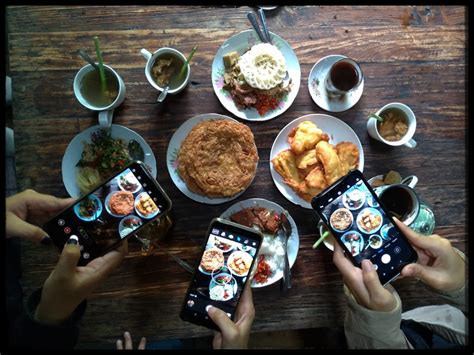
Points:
[[362, 226], [111, 213], [224, 268]]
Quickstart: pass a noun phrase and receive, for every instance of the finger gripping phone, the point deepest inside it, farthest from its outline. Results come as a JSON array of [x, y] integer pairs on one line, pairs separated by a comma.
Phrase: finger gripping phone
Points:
[[225, 264], [117, 209], [362, 226]]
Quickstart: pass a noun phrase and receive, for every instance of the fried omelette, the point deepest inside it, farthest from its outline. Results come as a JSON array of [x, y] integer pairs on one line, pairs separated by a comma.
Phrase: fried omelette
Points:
[[312, 164], [218, 158]]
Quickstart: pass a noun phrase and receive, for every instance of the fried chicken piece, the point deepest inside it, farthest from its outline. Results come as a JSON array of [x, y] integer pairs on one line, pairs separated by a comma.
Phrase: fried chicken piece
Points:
[[306, 159], [307, 192], [348, 156], [284, 164], [316, 179], [327, 155], [304, 137]]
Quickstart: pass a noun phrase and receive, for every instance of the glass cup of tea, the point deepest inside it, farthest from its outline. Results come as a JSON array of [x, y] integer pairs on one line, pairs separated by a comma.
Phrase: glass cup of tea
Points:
[[89, 92], [153, 232], [163, 69], [403, 202], [398, 125], [344, 76]]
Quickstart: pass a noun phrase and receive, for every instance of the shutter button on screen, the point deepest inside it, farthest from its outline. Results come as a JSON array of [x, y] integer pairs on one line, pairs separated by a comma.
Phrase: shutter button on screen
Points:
[[386, 258]]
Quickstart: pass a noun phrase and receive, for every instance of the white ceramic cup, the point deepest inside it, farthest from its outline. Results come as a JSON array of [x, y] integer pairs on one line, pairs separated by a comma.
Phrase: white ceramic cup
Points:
[[151, 60], [407, 139], [106, 113]]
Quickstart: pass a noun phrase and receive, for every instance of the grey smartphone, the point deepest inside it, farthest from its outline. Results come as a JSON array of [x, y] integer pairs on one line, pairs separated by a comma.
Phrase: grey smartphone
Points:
[[112, 212], [228, 256]]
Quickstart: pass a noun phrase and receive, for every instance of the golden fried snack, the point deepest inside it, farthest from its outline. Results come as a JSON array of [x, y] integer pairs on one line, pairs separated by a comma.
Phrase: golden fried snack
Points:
[[218, 158], [316, 178], [306, 159], [306, 192], [304, 137], [327, 155], [284, 164], [348, 156]]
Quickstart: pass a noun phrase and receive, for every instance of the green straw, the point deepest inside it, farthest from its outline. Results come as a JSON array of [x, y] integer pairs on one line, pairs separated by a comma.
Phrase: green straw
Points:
[[320, 240], [377, 117], [103, 83], [185, 64]]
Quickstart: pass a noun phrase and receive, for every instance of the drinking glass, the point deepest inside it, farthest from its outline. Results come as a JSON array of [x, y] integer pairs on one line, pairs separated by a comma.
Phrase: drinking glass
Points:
[[344, 76], [153, 233]]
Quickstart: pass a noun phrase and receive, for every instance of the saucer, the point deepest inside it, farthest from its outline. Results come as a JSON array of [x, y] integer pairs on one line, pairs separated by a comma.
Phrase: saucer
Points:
[[318, 92]]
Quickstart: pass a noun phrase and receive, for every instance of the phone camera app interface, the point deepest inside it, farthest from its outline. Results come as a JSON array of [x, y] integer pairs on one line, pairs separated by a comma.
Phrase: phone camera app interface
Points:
[[358, 221], [222, 272], [113, 211]]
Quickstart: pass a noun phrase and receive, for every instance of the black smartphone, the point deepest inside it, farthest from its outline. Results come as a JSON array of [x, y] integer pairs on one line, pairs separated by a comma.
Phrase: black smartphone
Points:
[[362, 226], [226, 262], [112, 212]]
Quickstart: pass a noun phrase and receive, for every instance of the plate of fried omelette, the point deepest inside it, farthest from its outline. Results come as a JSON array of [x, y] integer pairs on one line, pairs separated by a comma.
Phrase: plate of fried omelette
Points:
[[311, 153], [212, 158]]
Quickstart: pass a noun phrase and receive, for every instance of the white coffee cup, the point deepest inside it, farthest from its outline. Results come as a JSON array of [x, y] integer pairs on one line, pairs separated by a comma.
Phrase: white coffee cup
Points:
[[106, 112], [407, 139], [151, 60]]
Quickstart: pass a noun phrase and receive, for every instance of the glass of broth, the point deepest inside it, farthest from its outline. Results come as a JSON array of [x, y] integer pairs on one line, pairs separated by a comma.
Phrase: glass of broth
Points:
[[91, 88], [90, 93], [343, 77]]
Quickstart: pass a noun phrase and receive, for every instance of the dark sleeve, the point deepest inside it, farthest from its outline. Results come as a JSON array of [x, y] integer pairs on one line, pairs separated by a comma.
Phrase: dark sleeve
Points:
[[30, 334]]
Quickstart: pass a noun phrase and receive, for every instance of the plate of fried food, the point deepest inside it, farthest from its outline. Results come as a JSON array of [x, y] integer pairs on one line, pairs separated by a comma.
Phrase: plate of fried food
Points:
[[311, 153], [264, 216], [95, 154], [249, 77], [212, 158]]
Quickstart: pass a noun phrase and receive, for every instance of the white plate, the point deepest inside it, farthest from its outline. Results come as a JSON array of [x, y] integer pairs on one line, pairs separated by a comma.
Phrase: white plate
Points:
[[76, 146], [293, 240], [241, 42], [337, 130], [318, 92], [172, 158]]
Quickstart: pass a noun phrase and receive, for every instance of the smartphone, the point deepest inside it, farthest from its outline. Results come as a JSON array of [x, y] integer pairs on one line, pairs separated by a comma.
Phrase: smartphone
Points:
[[362, 226], [117, 209], [226, 262]]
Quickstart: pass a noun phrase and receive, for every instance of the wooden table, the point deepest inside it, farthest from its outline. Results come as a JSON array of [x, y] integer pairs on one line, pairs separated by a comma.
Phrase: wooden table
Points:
[[414, 55]]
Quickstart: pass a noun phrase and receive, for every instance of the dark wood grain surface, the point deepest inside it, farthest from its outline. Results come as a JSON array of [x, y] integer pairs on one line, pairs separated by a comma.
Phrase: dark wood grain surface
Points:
[[414, 55]]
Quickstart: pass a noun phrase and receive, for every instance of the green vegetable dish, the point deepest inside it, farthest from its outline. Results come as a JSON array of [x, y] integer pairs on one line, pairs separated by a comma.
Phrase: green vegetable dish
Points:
[[100, 159]]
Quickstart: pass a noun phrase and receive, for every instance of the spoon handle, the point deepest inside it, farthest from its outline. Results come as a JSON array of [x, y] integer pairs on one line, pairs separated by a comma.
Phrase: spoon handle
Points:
[[163, 94], [263, 20], [88, 59], [253, 20]]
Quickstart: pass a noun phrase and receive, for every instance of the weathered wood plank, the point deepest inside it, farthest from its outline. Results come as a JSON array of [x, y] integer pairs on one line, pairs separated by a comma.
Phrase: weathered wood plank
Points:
[[56, 18]]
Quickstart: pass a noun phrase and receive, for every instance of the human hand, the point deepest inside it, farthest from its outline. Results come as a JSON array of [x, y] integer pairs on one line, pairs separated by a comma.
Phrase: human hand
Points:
[[28, 209], [438, 265], [364, 283], [128, 342], [68, 284], [234, 335]]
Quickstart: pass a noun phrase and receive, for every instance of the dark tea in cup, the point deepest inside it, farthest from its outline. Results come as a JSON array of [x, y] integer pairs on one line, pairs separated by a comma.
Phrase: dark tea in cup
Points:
[[401, 202], [344, 76], [91, 88]]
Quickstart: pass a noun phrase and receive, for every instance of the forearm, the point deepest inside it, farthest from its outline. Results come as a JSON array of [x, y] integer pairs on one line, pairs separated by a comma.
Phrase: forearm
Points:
[[367, 329], [29, 333]]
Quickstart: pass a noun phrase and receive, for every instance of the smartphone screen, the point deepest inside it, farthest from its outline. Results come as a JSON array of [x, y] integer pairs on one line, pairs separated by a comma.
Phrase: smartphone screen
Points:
[[110, 213], [359, 222], [223, 271]]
